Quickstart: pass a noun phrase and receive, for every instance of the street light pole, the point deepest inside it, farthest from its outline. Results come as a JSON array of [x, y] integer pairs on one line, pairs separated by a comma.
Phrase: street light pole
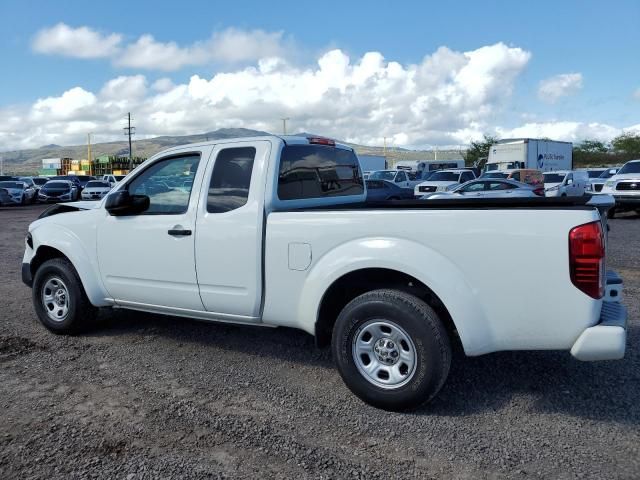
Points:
[[284, 125]]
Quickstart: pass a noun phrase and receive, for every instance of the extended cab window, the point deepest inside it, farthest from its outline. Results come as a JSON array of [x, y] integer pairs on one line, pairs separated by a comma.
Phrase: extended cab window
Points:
[[164, 184], [231, 179], [317, 171]]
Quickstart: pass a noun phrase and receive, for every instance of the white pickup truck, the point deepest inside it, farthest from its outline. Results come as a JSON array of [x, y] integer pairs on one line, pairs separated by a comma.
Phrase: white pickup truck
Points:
[[273, 231]]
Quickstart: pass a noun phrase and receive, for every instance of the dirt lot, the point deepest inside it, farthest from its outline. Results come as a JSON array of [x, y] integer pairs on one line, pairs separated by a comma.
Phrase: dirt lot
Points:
[[144, 396]]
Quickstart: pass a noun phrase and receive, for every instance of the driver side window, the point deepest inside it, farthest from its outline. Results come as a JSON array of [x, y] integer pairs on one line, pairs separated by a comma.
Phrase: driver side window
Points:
[[168, 184]]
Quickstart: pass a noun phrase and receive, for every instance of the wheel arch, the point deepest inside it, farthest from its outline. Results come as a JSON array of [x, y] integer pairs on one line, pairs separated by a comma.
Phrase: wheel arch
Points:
[[61, 243], [367, 264]]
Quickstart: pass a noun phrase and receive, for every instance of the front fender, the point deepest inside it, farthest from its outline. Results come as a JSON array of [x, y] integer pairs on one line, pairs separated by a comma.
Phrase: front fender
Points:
[[73, 247], [437, 272]]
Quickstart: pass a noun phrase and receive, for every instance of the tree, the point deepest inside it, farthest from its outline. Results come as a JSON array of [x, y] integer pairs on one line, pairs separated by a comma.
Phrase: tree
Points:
[[592, 146], [627, 143], [477, 153]]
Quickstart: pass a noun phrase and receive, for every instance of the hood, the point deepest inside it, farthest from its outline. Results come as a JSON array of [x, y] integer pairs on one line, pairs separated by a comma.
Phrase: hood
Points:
[[81, 205], [625, 176], [552, 185], [441, 183]]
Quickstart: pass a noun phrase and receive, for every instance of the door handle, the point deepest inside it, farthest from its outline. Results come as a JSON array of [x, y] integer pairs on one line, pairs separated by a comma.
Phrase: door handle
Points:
[[176, 232]]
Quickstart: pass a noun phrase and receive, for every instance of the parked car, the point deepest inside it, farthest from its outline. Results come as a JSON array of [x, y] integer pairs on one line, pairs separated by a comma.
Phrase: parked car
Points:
[[95, 190], [20, 192], [444, 180], [273, 233], [593, 172], [625, 188], [378, 190], [35, 182], [565, 183], [495, 174], [489, 188], [397, 177], [595, 184], [58, 191], [7, 177], [84, 179], [5, 198], [113, 179], [71, 178]]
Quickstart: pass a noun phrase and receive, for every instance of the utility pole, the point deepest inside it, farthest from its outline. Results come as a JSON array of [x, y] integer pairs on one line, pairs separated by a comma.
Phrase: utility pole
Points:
[[89, 147], [284, 125], [1, 165], [129, 130]]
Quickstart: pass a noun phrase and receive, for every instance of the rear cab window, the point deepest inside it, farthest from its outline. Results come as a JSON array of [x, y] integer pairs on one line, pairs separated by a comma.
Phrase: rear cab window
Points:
[[312, 175]]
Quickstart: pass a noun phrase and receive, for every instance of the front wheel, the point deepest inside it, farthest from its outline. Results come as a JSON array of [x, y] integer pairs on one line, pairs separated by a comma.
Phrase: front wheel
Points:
[[59, 299], [391, 349], [611, 213]]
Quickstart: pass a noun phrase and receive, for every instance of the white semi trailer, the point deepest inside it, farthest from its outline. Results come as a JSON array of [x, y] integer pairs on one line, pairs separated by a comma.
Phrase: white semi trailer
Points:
[[538, 154]]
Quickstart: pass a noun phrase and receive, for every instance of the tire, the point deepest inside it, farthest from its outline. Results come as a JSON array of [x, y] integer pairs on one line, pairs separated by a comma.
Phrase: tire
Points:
[[413, 326], [23, 200], [611, 213], [52, 277]]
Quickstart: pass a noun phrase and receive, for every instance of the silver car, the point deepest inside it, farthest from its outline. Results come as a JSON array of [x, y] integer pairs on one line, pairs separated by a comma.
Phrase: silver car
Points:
[[489, 188]]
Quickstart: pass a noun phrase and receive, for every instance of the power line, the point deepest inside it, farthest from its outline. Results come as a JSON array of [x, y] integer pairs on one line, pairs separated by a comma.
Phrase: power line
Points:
[[129, 130]]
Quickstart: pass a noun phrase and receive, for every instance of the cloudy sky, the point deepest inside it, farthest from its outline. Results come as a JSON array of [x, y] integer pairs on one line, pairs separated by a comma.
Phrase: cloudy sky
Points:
[[417, 73]]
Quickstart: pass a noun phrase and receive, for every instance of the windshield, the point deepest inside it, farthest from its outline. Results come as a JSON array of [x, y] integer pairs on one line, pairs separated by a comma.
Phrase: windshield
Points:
[[594, 173], [382, 175], [444, 177], [119, 177], [494, 175], [607, 173], [631, 167], [56, 184], [11, 185], [554, 177], [40, 181], [97, 184]]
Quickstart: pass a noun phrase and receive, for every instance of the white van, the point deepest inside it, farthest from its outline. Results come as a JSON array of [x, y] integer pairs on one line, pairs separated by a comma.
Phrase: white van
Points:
[[565, 183]]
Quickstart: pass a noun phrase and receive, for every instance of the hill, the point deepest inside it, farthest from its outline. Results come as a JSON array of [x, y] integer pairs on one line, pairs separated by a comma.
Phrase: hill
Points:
[[29, 161]]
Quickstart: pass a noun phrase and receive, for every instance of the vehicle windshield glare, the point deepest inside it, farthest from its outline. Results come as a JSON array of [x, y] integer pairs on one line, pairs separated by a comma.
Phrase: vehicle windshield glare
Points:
[[56, 184], [19, 185], [444, 177], [382, 175], [554, 177], [631, 167], [97, 184]]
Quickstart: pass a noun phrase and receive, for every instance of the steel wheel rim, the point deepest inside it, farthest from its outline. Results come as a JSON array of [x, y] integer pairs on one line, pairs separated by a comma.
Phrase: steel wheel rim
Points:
[[384, 354], [55, 299]]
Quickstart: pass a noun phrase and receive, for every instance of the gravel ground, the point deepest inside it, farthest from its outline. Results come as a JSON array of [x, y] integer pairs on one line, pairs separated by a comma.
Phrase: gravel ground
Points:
[[146, 396]]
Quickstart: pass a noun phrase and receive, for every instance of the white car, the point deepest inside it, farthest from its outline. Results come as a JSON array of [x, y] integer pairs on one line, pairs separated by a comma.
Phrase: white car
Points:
[[443, 180], [565, 183], [271, 231], [595, 185], [397, 177], [95, 190], [112, 180], [488, 188], [625, 188], [19, 191]]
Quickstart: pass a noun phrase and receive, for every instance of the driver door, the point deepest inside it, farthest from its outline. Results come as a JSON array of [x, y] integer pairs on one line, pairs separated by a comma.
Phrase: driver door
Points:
[[148, 259]]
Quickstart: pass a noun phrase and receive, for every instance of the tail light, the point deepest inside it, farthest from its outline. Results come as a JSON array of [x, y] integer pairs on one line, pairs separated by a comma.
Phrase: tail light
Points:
[[586, 258], [539, 191]]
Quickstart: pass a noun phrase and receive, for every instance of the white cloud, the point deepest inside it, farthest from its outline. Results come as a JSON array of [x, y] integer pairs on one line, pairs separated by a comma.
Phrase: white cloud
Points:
[[553, 88], [229, 46], [448, 98], [562, 130], [82, 42]]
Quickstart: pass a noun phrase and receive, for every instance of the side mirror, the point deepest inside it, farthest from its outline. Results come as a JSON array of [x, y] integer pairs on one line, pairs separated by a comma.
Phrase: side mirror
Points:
[[570, 182], [122, 203]]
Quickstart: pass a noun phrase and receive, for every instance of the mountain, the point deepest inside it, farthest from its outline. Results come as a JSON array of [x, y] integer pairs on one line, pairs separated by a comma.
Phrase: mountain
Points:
[[29, 161]]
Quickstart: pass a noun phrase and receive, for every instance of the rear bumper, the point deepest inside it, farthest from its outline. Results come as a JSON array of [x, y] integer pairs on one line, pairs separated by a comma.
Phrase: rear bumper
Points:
[[608, 338]]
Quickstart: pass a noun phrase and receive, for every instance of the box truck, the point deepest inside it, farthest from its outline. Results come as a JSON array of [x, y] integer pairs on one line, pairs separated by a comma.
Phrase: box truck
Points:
[[539, 154]]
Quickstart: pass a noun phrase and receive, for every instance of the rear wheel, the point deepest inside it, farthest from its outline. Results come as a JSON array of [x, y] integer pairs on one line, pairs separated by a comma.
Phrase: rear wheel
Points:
[[59, 298], [391, 349]]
